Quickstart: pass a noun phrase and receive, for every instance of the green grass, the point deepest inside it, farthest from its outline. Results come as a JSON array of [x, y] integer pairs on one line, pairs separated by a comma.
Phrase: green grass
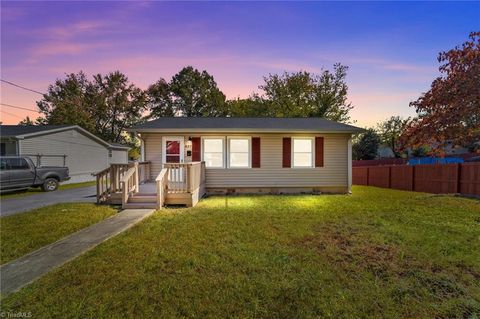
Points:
[[377, 253], [77, 185], [26, 232], [37, 190]]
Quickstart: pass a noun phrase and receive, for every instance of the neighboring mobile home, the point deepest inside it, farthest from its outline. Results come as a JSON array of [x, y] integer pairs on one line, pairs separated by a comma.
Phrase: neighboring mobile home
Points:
[[254, 155], [62, 145]]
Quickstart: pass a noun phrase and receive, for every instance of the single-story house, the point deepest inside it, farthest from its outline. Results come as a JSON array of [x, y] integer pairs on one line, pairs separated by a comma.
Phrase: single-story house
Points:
[[254, 155], [62, 145]]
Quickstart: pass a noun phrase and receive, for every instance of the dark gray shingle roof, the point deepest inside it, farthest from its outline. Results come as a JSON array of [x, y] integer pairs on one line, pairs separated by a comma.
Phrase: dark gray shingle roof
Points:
[[310, 124], [16, 130]]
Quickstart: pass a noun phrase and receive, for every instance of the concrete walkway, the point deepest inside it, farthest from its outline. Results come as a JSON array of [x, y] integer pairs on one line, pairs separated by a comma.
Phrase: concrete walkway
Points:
[[12, 206], [20, 272]]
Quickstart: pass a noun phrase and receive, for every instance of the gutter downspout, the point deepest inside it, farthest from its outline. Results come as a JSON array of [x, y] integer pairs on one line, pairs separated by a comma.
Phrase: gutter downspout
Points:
[[142, 146], [142, 150]]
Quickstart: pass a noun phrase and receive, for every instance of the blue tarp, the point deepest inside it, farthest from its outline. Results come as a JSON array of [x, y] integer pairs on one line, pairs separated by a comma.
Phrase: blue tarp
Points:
[[435, 160]]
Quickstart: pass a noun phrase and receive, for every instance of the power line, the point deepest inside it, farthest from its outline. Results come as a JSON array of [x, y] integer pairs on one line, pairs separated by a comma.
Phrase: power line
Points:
[[19, 107], [21, 87], [11, 114]]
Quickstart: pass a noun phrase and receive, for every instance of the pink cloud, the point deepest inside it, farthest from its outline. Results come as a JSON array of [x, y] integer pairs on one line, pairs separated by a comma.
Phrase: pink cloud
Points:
[[67, 39], [73, 29], [59, 48], [393, 65], [286, 66], [407, 67], [379, 63]]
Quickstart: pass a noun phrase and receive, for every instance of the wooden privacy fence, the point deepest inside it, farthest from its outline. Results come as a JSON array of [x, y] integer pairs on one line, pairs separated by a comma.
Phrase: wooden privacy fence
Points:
[[377, 162], [439, 179]]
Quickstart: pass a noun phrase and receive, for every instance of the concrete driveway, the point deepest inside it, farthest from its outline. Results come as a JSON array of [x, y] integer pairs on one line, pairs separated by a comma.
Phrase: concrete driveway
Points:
[[18, 205]]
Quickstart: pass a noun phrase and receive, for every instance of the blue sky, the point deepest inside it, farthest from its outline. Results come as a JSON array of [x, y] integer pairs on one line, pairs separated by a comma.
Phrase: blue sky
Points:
[[390, 47]]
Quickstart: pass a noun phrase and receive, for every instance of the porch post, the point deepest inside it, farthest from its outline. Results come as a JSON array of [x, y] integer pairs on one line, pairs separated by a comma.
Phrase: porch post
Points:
[[113, 183], [137, 181]]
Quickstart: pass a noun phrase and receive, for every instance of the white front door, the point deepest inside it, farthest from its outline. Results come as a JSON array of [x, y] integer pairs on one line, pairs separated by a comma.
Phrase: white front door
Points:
[[173, 152], [172, 149]]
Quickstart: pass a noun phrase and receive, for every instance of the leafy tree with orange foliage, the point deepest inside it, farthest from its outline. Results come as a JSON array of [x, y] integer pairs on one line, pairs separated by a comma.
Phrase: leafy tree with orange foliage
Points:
[[450, 110]]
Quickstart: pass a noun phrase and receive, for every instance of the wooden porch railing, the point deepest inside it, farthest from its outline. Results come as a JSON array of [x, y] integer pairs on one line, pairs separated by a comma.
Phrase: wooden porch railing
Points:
[[175, 178], [161, 181], [129, 183], [109, 179], [184, 177]]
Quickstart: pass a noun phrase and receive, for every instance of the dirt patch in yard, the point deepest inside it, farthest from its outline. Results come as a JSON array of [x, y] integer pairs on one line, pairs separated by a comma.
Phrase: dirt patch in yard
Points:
[[355, 254], [347, 248]]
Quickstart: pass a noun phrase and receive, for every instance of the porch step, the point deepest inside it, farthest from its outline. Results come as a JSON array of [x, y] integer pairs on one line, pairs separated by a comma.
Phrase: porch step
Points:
[[139, 205], [143, 198]]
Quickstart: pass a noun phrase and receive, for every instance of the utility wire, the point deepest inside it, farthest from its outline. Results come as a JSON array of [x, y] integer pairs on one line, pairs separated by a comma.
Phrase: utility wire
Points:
[[11, 114], [19, 107], [21, 87]]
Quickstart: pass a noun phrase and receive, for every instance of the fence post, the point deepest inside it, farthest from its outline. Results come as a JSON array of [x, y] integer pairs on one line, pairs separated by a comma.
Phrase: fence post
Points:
[[413, 178], [389, 176], [368, 176], [458, 184]]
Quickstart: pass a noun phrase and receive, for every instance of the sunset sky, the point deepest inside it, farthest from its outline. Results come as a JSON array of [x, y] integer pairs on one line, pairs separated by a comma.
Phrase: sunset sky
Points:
[[391, 48]]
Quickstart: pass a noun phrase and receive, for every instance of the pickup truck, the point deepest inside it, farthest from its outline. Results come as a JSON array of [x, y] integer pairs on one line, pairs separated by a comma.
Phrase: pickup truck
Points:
[[17, 172]]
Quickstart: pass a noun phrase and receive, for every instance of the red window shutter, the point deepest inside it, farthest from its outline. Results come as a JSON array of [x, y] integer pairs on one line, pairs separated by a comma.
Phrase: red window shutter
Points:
[[255, 152], [196, 149], [287, 152], [318, 151]]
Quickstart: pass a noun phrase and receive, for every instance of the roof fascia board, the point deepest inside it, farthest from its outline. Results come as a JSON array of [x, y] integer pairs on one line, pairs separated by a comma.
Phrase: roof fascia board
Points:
[[243, 130], [53, 130], [11, 138]]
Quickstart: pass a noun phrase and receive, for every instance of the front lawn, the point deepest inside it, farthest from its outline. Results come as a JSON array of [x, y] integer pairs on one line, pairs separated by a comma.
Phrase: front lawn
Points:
[[26, 232], [376, 253], [38, 190]]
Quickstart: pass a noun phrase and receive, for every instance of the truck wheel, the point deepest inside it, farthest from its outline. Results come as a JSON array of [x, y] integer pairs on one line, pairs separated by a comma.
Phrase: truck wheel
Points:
[[50, 185]]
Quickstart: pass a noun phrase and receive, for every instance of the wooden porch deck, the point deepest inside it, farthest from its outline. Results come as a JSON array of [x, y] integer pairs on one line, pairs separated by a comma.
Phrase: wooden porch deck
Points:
[[131, 186]]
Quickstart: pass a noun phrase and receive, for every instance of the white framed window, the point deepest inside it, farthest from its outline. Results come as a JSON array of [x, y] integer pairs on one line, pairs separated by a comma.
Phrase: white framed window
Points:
[[302, 152], [213, 152], [239, 152]]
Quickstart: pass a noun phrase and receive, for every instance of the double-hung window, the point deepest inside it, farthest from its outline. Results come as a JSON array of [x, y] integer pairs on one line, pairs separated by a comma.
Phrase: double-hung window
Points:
[[302, 152], [213, 152], [239, 152]]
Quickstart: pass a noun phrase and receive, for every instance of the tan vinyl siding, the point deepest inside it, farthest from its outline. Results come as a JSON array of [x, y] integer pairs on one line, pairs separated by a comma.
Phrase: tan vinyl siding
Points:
[[84, 155], [270, 174], [153, 153]]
